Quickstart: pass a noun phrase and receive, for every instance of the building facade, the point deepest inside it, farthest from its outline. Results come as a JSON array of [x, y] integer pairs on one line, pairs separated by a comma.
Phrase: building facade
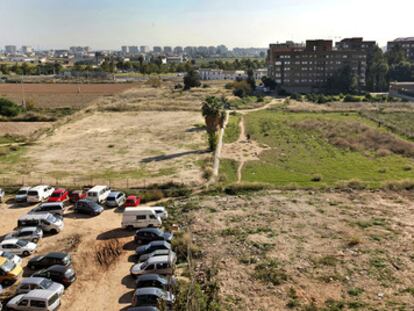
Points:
[[307, 68], [10, 49], [406, 43]]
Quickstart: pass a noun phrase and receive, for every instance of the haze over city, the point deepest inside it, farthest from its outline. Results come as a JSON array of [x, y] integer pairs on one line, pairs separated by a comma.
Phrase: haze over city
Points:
[[108, 24]]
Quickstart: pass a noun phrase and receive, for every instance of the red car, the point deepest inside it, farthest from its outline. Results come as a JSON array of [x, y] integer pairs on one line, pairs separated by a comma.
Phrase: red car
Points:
[[77, 195], [133, 201], [59, 195]]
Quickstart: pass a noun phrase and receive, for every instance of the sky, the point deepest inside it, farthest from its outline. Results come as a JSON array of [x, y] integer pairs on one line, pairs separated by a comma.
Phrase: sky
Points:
[[108, 24]]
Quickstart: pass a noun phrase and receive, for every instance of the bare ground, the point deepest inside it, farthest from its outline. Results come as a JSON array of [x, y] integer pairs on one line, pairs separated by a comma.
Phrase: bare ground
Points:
[[22, 128]]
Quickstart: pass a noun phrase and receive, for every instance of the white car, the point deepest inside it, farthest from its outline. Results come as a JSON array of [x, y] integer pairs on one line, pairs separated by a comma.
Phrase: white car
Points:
[[12, 257], [161, 211], [21, 195], [18, 247], [39, 194], [2, 195], [31, 283], [38, 299]]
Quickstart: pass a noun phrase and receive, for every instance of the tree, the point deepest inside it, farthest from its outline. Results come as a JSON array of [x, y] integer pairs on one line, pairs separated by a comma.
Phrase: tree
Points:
[[213, 113], [9, 108], [242, 88], [377, 71], [191, 79], [269, 83], [251, 79], [343, 81]]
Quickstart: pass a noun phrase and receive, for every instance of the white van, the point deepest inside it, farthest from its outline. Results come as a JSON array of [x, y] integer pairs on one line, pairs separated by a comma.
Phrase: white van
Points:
[[142, 217], [46, 221], [39, 193], [98, 194], [38, 299]]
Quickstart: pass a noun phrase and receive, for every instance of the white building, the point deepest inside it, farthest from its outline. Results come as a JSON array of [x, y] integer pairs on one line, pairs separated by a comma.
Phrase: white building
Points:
[[218, 74]]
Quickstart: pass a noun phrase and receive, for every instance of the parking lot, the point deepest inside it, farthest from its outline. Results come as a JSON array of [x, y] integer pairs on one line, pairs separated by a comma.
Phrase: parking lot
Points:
[[96, 287]]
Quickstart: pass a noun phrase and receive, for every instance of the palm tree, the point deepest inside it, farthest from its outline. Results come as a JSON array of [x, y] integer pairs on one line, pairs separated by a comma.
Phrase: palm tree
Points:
[[214, 114]]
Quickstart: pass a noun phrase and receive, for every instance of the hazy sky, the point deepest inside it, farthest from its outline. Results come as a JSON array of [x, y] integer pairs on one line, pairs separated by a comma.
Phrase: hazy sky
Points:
[[108, 24]]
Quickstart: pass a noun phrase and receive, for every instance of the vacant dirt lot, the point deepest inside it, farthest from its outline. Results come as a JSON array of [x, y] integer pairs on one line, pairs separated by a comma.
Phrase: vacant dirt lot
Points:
[[60, 95], [309, 251], [21, 128], [156, 146]]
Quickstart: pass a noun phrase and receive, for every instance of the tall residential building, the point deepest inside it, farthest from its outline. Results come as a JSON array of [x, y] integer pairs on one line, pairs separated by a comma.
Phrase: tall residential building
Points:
[[145, 49], [27, 50], [356, 44], [222, 50], [178, 50], [168, 49], [124, 50], [133, 50], [406, 43], [10, 49], [157, 49], [306, 68]]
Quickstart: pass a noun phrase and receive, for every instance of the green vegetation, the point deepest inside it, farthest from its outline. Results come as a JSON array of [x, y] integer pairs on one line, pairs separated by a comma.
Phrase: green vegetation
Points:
[[191, 79], [9, 108], [334, 147], [269, 271], [398, 122], [232, 132], [214, 115], [346, 98], [228, 170]]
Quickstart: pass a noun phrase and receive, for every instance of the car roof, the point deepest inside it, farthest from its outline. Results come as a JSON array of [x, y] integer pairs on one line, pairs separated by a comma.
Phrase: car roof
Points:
[[149, 291], [162, 252], [114, 193], [51, 204], [36, 216], [24, 188], [32, 280], [149, 230], [58, 255], [98, 188], [132, 197], [158, 259], [39, 293], [39, 187], [9, 241], [25, 229], [159, 243], [152, 277], [58, 268], [59, 190]]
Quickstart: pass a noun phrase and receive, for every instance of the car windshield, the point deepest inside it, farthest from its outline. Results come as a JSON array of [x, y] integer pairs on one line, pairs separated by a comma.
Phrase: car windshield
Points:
[[32, 193], [7, 255], [45, 284], [8, 266], [51, 219], [56, 195], [22, 192], [110, 199], [22, 242]]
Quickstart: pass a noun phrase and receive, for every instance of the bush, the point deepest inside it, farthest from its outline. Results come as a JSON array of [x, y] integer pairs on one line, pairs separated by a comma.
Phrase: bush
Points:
[[351, 99], [269, 271], [296, 96], [191, 79], [243, 188], [9, 108], [242, 89]]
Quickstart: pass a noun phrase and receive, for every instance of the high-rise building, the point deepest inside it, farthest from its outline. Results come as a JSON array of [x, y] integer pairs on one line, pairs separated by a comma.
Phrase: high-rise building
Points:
[[124, 50], [407, 44], [222, 50], [157, 49], [10, 49], [27, 50], [133, 50], [168, 49], [356, 44], [307, 68], [178, 50], [145, 49]]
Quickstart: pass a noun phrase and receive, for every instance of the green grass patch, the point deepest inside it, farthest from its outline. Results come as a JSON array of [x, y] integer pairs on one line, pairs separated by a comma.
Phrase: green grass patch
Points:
[[232, 132], [299, 153], [398, 122], [228, 170]]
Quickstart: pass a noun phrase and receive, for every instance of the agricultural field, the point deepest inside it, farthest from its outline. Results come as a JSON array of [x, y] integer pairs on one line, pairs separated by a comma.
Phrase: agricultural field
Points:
[[322, 149], [61, 95]]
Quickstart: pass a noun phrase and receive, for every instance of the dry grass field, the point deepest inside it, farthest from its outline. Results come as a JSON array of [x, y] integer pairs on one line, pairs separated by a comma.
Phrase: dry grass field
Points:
[[22, 128]]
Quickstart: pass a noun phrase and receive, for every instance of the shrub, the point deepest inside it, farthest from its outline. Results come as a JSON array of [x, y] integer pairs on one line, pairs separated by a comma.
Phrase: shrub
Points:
[[9, 108], [269, 271], [191, 79], [351, 99], [243, 188], [296, 96], [316, 178], [183, 245]]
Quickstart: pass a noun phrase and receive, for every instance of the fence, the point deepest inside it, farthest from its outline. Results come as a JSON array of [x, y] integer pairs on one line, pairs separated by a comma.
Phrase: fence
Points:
[[79, 183]]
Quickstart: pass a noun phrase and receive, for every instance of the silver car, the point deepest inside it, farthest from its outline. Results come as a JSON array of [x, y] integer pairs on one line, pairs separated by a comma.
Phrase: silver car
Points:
[[116, 199], [21, 195], [31, 234], [163, 265], [18, 247], [157, 253], [31, 283], [12, 257], [2, 195]]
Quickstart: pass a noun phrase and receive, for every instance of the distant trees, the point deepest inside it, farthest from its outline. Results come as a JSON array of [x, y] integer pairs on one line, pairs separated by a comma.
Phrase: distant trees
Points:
[[9, 108], [192, 79], [213, 111], [238, 64], [269, 83], [343, 81]]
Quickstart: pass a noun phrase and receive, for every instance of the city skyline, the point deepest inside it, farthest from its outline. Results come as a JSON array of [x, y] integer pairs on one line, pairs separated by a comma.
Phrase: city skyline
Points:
[[104, 24]]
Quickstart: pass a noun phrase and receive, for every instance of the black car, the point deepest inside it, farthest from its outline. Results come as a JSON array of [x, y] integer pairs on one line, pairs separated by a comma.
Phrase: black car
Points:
[[147, 235], [152, 246], [60, 274], [88, 207], [155, 280], [48, 260]]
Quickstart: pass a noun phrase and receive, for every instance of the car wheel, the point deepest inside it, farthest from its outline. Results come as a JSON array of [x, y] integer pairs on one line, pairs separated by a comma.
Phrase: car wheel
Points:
[[35, 240], [53, 231], [26, 253], [32, 268], [7, 283]]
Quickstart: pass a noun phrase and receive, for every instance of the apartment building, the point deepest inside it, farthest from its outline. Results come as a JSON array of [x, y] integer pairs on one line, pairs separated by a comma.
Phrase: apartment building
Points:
[[406, 43], [356, 44], [307, 68], [10, 49]]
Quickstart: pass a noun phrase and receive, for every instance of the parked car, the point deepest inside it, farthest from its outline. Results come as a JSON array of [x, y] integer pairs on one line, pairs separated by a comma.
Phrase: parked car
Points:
[[12, 257], [148, 308], [155, 280], [153, 246], [115, 199], [152, 297], [9, 271], [46, 221], [98, 194], [48, 260], [21, 195], [163, 265], [31, 234], [31, 283], [2, 195], [161, 212], [39, 194], [18, 247], [156, 253], [59, 195], [77, 195], [38, 299], [140, 218], [133, 201], [147, 235], [88, 207], [55, 208], [61, 274]]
